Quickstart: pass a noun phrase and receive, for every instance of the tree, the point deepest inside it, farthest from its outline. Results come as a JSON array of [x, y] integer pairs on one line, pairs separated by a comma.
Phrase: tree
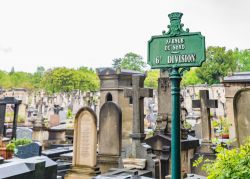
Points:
[[12, 70], [242, 59], [117, 63], [191, 78], [5, 81], [65, 80], [37, 77], [21, 80], [218, 64], [152, 79], [130, 61]]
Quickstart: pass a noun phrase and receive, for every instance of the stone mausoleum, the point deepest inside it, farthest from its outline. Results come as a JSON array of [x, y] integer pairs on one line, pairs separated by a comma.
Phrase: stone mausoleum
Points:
[[112, 84]]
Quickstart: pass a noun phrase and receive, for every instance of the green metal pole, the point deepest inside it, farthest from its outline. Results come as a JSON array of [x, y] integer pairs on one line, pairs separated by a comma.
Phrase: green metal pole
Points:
[[175, 131]]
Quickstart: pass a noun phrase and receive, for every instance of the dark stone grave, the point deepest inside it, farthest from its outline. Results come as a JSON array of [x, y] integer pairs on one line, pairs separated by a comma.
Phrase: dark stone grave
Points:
[[3, 103], [55, 153], [29, 150], [31, 168], [125, 173]]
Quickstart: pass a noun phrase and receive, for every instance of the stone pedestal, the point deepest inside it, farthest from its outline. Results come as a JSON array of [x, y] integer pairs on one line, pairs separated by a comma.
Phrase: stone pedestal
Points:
[[206, 152], [82, 172], [40, 134], [57, 136], [105, 162]]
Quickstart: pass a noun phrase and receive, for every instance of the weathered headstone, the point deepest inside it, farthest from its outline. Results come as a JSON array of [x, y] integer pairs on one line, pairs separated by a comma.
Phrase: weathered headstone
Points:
[[242, 115], [205, 104], [205, 149], [62, 116], [24, 132], [110, 136], [164, 103], [140, 149], [29, 150], [138, 93], [85, 144]]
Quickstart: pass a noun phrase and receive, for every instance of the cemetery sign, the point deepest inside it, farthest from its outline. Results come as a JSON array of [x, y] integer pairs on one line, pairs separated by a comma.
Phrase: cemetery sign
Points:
[[176, 48]]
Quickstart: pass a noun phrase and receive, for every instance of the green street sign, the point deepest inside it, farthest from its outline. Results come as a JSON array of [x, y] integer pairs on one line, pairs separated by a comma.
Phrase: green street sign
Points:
[[177, 48]]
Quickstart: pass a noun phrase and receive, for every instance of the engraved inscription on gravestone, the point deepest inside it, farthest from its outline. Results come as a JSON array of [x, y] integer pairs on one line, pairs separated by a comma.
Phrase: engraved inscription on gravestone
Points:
[[85, 138]]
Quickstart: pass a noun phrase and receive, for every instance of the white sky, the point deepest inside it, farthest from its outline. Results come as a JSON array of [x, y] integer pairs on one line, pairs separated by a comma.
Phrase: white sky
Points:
[[91, 33]]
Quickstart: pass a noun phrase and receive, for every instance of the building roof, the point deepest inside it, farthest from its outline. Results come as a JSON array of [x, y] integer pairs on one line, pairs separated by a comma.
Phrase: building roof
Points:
[[237, 77], [112, 71]]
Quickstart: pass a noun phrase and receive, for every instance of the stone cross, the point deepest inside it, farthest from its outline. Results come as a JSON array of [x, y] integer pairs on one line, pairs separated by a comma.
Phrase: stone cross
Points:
[[138, 93], [204, 103]]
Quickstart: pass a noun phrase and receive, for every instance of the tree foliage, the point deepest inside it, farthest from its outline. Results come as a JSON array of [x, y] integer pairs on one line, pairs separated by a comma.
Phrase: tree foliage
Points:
[[234, 163], [190, 78], [64, 79], [219, 63], [130, 61], [152, 79], [53, 80]]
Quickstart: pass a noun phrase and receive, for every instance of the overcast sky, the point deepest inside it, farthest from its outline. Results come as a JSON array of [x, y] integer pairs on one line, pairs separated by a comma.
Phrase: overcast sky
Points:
[[91, 33]]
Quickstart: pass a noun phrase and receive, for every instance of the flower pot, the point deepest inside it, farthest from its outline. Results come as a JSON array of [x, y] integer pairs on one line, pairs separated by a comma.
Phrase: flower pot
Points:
[[225, 136], [6, 154]]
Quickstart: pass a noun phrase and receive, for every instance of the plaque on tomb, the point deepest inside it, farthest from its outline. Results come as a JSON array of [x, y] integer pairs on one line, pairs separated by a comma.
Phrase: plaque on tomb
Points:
[[85, 138], [23, 132], [54, 120], [29, 150], [110, 129]]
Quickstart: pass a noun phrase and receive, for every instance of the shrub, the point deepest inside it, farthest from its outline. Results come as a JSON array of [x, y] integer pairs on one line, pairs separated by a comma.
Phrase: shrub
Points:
[[229, 164]]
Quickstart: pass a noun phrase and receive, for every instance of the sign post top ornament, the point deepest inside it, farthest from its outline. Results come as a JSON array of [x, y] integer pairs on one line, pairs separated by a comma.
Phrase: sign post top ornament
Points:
[[176, 48]]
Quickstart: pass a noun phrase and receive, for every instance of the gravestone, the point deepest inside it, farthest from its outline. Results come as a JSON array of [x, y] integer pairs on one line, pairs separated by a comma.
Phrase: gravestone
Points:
[[62, 116], [205, 104], [110, 136], [139, 148], [205, 149], [29, 150], [39, 167], [54, 120], [3, 103], [164, 103], [24, 132], [242, 115], [85, 144], [138, 93]]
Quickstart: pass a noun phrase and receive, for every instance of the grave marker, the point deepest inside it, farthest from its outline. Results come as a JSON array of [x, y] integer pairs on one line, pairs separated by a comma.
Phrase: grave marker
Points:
[[85, 144], [29, 150], [204, 103], [110, 136], [54, 120], [24, 132], [138, 93]]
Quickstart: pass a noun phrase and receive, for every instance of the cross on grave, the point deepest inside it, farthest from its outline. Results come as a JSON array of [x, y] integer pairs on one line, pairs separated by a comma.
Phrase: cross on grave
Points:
[[138, 93], [3, 103], [204, 103]]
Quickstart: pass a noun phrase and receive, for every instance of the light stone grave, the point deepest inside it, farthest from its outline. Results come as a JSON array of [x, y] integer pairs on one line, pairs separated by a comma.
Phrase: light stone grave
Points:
[[24, 132], [85, 145]]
